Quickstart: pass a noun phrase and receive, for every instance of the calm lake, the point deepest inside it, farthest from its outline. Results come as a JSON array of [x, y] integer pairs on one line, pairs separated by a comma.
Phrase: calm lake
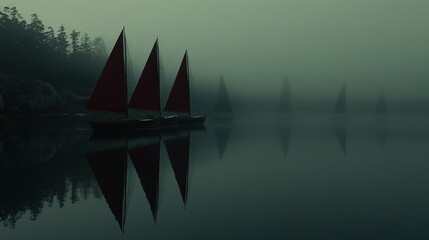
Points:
[[306, 177]]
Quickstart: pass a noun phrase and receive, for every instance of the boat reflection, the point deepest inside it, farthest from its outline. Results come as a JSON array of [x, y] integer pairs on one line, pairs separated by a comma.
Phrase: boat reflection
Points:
[[285, 133], [146, 160], [381, 130], [341, 133], [223, 133], [110, 170], [110, 167]]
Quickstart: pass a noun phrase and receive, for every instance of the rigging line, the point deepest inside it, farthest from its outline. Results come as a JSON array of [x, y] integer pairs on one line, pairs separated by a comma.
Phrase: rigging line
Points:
[[193, 94]]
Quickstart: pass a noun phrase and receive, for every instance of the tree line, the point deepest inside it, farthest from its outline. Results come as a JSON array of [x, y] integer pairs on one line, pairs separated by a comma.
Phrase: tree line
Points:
[[70, 61]]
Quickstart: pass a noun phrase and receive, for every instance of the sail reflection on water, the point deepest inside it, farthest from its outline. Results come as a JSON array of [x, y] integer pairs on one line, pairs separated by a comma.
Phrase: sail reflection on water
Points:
[[381, 122], [285, 134], [110, 170], [178, 149], [112, 174], [223, 133], [146, 160], [341, 133]]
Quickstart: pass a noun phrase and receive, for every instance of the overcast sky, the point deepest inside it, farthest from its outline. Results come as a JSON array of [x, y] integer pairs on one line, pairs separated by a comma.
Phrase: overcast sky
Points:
[[319, 44]]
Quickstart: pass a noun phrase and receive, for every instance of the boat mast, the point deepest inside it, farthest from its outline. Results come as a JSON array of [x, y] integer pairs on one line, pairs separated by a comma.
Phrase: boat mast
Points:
[[124, 197], [159, 74], [187, 78], [125, 73]]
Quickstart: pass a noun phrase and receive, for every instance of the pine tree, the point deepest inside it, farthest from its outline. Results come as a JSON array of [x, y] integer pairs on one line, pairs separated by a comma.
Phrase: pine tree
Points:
[[86, 45], [62, 42], [99, 48], [74, 37]]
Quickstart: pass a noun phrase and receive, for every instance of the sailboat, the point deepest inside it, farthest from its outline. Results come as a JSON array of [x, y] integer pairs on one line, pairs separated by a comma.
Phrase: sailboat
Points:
[[223, 107], [147, 94], [340, 105], [179, 100], [111, 94], [285, 104], [110, 171]]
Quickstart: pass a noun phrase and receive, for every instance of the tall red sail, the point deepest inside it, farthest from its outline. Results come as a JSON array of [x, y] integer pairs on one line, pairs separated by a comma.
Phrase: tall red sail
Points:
[[147, 96], [109, 94], [179, 99]]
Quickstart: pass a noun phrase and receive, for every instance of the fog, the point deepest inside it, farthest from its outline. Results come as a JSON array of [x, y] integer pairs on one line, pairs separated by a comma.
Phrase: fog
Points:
[[318, 44]]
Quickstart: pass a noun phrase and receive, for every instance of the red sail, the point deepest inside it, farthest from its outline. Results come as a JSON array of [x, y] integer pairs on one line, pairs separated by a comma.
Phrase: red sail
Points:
[[146, 96], [179, 99], [109, 94]]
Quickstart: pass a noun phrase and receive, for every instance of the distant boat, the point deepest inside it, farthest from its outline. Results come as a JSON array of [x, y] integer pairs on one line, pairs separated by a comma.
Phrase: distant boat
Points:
[[223, 109], [381, 106], [285, 104], [110, 171], [179, 100], [147, 94], [340, 105], [146, 160], [111, 94]]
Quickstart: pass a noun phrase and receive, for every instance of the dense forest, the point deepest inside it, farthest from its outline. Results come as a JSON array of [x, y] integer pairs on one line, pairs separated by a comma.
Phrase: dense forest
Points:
[[69, 61]]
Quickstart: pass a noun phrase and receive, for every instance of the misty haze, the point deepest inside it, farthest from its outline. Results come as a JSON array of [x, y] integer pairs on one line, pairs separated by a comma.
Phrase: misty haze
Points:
[[221, 119]]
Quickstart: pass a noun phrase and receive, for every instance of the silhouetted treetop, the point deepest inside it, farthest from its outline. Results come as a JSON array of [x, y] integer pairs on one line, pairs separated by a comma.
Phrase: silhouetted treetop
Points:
[[70, 61]]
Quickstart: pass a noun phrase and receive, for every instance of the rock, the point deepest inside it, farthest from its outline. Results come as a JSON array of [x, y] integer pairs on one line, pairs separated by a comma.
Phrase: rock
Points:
[[20, 94]]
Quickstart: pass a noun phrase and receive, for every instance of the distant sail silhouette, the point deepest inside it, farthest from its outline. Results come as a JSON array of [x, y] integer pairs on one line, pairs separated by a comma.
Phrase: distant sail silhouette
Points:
[[285, 104], [222, 136], [178, 149], [340, 105], [340, 132], [146, 160], [381, 106], [223, 104], [110, 170]]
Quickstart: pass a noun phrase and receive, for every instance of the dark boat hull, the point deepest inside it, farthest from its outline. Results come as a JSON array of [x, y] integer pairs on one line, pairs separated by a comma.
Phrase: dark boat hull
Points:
[[192, 120], [125, 125], [170, 121]]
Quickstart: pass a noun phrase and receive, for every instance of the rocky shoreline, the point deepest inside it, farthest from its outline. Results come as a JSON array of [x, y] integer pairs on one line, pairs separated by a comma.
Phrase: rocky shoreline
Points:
[[25, 100], [23, 94]]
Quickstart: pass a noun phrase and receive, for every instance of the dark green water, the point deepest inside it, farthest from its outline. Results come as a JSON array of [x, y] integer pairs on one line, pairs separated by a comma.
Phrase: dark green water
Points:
[[310, 177]]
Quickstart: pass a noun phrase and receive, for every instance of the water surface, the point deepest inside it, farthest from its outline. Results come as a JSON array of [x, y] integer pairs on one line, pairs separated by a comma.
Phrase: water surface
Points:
[[306, 177]]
